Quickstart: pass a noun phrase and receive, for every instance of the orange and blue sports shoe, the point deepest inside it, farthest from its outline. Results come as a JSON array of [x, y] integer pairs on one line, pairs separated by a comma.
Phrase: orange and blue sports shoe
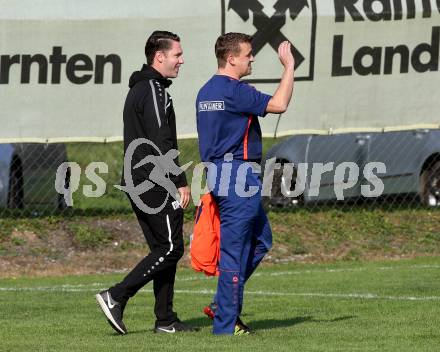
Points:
[[210, 309]]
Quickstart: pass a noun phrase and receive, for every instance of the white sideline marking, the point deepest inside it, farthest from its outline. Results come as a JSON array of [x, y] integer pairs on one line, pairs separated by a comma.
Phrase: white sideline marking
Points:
[[276, 273], [93, 287], [256, 293], [302, 272], [342, 270]]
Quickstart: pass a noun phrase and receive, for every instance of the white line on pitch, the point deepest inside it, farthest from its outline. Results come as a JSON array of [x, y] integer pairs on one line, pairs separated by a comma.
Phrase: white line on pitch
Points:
[[256, 293], [317, 271], [275, 273]]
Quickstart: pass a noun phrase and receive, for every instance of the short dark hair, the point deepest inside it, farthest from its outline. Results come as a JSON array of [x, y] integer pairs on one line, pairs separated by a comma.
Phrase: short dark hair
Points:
[[159, 41], [229, 43]]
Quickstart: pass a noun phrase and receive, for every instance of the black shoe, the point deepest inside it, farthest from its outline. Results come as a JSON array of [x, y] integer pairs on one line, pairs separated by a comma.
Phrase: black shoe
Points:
[[241, 328], [177, 326], [113, 311], [240, 323]]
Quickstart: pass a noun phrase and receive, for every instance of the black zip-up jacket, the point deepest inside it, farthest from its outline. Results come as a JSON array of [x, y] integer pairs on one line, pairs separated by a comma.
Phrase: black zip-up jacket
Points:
[[149, 113]]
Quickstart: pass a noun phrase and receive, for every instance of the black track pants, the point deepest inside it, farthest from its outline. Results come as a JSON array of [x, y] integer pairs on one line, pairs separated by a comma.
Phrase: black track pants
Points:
[[163, 232]]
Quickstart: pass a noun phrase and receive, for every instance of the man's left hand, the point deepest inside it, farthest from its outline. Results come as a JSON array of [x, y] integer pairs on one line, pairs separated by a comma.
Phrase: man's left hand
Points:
[[185, 195]]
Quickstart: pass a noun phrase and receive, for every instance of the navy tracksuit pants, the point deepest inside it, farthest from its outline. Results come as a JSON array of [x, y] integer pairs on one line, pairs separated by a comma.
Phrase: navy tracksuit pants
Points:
[[245, 236]]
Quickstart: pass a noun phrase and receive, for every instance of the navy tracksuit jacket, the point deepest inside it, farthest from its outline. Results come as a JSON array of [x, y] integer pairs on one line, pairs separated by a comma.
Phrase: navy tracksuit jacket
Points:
[[230, 139]]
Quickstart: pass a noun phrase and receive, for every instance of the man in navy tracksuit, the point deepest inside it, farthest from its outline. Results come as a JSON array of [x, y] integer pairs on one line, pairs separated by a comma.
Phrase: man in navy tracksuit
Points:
[[230, 139]]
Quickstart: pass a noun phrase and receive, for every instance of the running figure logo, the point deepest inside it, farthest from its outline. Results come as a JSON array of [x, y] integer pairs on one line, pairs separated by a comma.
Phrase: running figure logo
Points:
[[164, 165]]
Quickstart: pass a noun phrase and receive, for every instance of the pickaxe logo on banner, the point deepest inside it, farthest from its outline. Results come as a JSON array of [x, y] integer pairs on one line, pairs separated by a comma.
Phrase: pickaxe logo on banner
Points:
[[269, 28]]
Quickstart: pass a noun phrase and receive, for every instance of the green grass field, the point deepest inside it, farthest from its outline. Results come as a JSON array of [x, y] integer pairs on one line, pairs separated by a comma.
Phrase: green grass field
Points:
[[381, 306], [347, 305]]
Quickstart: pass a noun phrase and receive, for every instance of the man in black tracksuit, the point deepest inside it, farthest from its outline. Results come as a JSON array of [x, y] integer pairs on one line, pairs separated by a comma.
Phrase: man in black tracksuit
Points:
[[149, 132]]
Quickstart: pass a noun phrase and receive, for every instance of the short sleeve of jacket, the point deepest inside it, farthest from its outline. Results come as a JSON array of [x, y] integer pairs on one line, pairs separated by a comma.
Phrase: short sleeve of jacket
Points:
[[248, 100]]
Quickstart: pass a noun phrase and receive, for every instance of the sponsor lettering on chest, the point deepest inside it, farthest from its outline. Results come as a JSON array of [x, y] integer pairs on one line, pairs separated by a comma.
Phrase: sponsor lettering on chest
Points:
[[211, 105]]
